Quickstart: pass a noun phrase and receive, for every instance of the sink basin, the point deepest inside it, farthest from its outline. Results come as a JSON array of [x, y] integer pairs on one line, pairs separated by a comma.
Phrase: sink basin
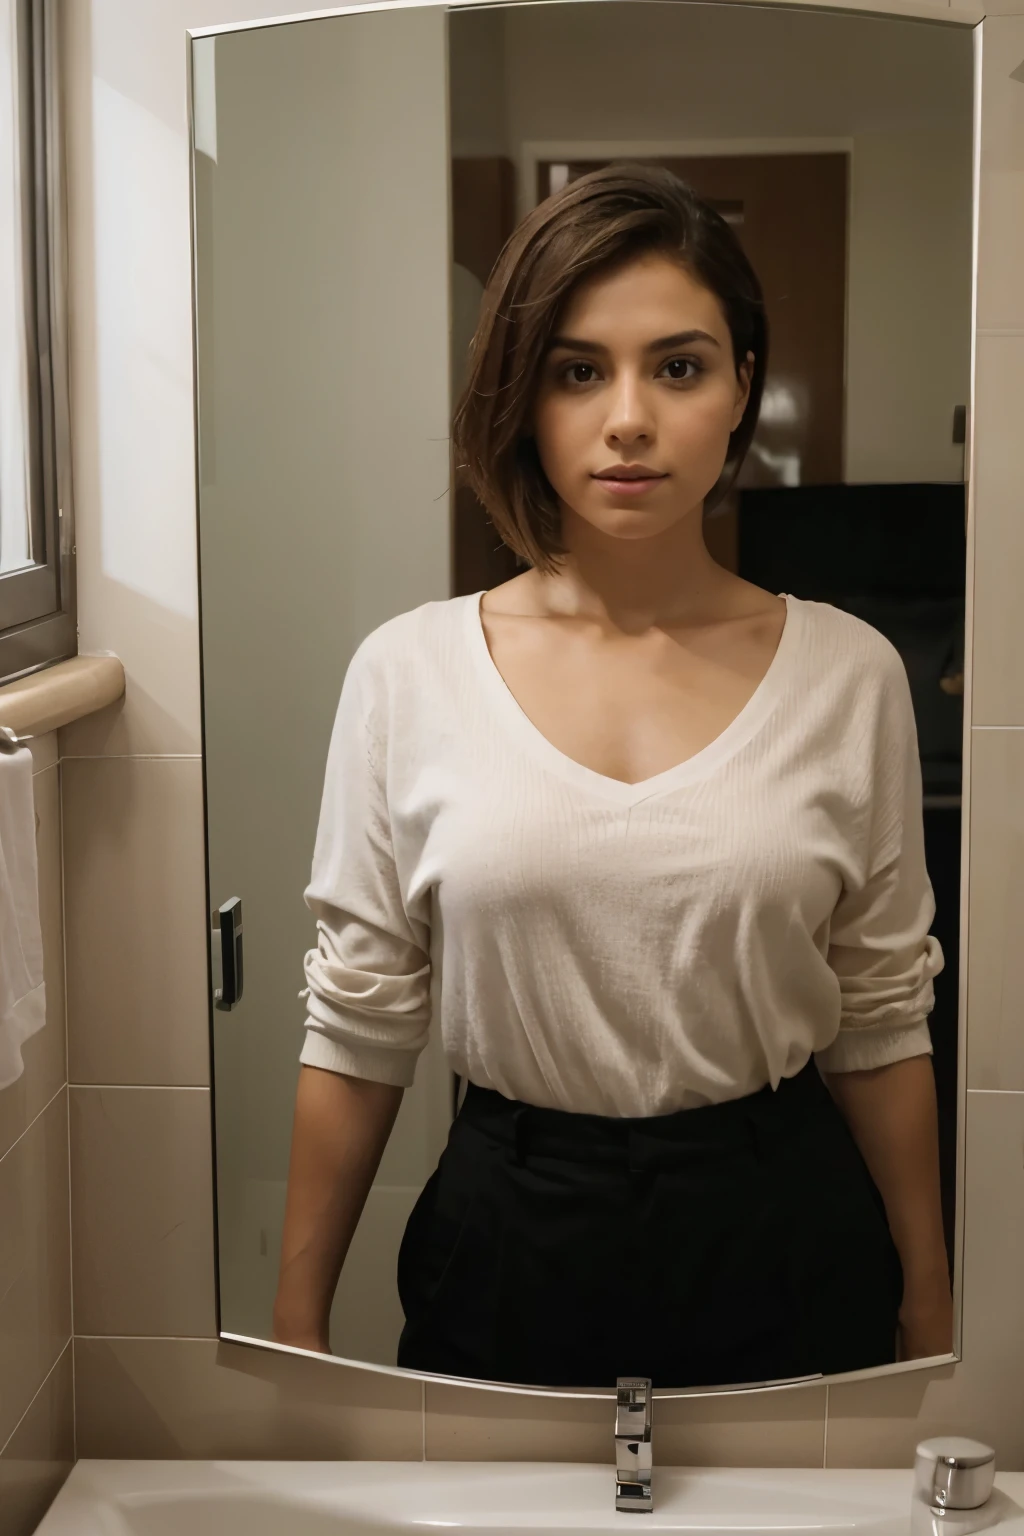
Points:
[[364, 1498]]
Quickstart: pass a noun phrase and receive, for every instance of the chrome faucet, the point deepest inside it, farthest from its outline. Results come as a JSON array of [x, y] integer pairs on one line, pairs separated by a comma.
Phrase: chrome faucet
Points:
[[633, 1444]]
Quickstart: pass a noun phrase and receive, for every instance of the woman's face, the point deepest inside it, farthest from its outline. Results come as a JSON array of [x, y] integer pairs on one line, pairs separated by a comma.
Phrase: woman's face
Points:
[[637, 398]]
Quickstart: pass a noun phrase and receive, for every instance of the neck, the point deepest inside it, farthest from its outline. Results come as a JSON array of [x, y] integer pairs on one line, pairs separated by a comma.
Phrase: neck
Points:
[[634, 583]]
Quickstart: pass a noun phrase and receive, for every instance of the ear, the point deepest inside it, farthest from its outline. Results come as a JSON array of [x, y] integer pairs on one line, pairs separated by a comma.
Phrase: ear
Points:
[[744, 380]]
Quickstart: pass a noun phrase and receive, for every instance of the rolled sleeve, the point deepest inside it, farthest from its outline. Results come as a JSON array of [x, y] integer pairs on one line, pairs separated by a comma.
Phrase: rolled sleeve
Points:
[[880, 947], [857, 1050], [323, 1047], [368, 978]]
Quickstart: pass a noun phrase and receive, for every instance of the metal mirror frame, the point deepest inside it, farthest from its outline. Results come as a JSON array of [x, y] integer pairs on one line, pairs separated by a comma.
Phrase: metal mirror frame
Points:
[[966, 16]]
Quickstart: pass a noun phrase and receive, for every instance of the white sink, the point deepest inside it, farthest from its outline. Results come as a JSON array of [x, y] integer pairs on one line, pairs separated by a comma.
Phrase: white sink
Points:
[[370, 1498]]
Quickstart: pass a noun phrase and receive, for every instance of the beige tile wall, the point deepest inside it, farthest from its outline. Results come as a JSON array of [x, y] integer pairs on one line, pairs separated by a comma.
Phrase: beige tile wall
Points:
[[150, 1377], [136, 956], [36, 1433], [40, 1453]]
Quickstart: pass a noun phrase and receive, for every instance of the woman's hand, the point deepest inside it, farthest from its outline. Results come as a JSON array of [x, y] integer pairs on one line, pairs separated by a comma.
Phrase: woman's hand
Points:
[[926, 1320]]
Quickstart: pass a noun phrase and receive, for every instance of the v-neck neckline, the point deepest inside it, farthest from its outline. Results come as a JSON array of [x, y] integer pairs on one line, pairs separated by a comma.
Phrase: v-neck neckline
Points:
[[735, 735]]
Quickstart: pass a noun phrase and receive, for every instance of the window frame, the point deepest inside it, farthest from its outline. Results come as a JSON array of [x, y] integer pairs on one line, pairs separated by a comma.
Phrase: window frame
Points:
[[37, 604]]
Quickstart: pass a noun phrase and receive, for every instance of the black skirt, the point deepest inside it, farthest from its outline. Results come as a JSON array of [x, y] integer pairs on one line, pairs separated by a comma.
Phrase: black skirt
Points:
[[739, 1242]]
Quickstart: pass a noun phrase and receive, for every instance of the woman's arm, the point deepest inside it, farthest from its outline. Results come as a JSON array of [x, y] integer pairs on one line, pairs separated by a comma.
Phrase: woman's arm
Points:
[[368, 1004], [341, 1128], [891, 1111], [885, 958]]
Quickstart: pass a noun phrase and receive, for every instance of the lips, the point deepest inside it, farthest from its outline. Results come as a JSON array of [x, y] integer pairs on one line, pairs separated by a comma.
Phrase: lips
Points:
[[620, 472], [629, 481]]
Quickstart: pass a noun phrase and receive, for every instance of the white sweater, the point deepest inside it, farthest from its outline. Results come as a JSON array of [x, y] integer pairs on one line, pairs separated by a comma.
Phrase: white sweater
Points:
[[610, 948]]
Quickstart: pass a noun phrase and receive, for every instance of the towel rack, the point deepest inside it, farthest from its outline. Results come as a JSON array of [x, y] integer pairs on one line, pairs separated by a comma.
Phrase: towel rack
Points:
[[9, 742]]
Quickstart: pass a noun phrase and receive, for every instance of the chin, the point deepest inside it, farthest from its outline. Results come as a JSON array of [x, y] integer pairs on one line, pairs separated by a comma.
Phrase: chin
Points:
[[633, 522], [632, 525]]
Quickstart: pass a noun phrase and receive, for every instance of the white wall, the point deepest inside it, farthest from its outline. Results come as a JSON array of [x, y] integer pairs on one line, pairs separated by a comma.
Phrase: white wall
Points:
[[901, 91], [479, 109]]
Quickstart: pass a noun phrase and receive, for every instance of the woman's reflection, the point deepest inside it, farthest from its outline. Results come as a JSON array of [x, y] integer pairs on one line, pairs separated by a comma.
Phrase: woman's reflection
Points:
[[644, 842]]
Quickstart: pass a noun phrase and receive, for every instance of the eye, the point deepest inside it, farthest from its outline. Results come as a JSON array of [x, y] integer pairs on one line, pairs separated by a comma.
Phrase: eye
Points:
[[577, 373], [676, 365]]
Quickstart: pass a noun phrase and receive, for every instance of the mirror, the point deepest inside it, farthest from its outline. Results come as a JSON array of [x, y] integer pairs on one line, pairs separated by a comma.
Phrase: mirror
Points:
[[629, 1125]]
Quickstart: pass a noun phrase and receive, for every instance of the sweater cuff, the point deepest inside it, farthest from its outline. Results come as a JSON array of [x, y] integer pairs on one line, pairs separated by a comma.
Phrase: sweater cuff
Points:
[[859, 1049], [371, 1063]]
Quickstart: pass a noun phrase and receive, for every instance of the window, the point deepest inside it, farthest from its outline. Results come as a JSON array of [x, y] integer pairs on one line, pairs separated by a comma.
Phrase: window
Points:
[[37, 619]]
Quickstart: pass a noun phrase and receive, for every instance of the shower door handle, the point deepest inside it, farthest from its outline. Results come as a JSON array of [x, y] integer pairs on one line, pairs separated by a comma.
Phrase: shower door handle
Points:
[[227, 948]]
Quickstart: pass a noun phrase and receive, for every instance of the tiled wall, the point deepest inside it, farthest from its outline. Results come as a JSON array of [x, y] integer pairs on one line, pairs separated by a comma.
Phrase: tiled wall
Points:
[[36, 1428], [150, 1378]]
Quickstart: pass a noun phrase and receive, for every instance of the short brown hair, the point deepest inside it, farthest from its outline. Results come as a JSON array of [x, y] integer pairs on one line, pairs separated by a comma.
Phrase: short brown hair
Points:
[[604, 219]]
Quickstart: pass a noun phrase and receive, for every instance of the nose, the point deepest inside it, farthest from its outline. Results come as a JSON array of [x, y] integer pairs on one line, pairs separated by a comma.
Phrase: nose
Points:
[[629, 418]]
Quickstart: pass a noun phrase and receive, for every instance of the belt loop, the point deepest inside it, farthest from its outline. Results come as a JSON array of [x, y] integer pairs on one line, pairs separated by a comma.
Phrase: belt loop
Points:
[[519, 1129]]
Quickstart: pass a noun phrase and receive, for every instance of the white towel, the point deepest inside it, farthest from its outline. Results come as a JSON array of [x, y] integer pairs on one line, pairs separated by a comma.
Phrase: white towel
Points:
[[22, 995]]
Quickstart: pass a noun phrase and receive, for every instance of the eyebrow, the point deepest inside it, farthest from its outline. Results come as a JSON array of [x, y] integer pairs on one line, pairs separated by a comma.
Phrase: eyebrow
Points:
[[680, 339]]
